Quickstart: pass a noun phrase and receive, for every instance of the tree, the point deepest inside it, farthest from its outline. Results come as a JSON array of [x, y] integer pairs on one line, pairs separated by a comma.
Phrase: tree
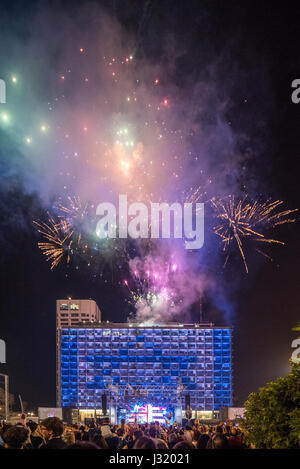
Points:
[[296, 328], [272, 417]]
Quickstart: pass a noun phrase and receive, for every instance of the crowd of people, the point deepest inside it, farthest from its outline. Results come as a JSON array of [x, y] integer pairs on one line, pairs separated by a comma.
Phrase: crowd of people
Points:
[[53, 433]]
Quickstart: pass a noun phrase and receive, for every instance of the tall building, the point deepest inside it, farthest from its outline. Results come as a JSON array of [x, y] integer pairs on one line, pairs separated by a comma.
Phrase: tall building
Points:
[[70, 313], [143, 369]]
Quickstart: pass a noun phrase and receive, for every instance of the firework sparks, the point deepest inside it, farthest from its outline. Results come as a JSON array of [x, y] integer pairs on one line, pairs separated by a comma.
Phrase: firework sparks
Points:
[[241, 220], [193, 195], [58, 240], [117, 147], [152, 291], [70, 236], [73, 215], [198, 194]]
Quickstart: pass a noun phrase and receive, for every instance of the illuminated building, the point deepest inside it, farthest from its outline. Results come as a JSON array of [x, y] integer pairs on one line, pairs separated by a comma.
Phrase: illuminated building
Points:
[[134, 364]]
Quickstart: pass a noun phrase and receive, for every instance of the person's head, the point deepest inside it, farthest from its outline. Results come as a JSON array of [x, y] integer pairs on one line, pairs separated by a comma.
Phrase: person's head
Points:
[[69, 437], [219, 429], [161, 444], [5, 426], [219, 442], [112, 442], [15, 437], [189, 435], [120, 432], [202, 441], [137, 434], [172, 439], [52, 427], [83, 445], [85, 436], [32, 425], [144, 443], [183, 445], [77, 435], [99, 440], [152, 432]]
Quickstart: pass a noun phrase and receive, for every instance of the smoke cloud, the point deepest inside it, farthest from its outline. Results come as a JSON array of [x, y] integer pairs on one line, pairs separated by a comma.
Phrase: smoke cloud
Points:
[[90, 116]]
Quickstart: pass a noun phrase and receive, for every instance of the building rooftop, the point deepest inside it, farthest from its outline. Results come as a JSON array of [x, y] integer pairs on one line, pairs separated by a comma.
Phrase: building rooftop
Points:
[[127, 325]]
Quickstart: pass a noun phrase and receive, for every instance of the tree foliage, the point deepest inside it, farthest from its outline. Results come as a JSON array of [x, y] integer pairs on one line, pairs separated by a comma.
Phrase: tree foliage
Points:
[[297, 327], [272, 417]]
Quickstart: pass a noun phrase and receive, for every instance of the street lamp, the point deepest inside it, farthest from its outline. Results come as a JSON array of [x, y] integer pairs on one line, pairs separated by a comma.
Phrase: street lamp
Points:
[[6, 396]]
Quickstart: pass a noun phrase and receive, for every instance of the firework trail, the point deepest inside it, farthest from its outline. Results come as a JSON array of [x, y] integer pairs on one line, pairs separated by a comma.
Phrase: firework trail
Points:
[[241, 220]]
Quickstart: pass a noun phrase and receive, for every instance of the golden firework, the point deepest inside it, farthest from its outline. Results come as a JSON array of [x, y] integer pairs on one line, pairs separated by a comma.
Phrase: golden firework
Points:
[[73, 214], [241, 220], [58, 240]]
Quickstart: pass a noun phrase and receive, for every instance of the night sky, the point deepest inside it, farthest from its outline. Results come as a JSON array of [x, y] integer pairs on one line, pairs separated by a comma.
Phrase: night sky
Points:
[[249, 53]]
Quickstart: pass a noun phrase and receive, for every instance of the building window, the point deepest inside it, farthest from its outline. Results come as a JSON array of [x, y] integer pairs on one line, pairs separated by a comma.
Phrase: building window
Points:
[[74, 306], [63, 306]]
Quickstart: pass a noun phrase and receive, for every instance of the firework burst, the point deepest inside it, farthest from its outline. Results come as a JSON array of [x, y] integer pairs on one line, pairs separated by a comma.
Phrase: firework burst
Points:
[[241, 220], [194, 195], [74, 210], [58, 242], [74, 215], [152, 291], [69, 235]]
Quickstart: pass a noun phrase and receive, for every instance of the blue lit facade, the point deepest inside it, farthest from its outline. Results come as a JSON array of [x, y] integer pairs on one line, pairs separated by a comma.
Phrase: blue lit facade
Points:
[[156, 359]]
